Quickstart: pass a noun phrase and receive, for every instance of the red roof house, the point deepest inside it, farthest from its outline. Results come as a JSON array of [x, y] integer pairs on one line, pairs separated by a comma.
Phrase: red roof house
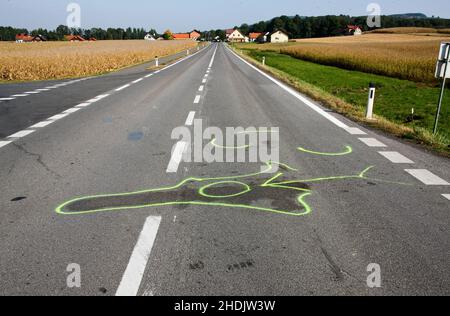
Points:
[[74, 38], [254, 36]]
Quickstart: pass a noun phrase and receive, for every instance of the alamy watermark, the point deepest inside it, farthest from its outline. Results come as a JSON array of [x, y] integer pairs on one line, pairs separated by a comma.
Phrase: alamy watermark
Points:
[[374, 278], [74, 17], [374, 17], [235, 144], [74, 277]]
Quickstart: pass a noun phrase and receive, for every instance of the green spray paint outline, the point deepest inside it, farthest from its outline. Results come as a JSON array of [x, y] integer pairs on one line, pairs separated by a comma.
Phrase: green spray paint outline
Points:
[[213, 142], [301, 199]]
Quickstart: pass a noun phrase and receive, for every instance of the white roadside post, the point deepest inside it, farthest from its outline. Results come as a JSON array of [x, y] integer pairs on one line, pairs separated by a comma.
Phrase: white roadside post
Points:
[[264, 61], [371, 101], [442, 72], [187, 52], [156, 61]]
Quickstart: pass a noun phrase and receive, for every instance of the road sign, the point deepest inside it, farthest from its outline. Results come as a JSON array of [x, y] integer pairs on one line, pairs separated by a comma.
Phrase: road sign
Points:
[[443, 67]]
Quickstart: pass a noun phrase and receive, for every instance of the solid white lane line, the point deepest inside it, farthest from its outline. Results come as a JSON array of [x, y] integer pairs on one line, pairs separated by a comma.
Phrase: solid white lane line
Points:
[[295, 94], [19, 95], [4, 143], [72, 110], [42, 90], [447, 196], [201, 88], [177, 156], [355, 131], [197, 99], [426, 177], [58, 117], [33, 92], [395, 157], [132, 278], [83, 105], [123, 87], [6, 99], [22, 133], [138, 80], [190, 118], [372, 142], [97, 98], [42, 124], [148, 76]]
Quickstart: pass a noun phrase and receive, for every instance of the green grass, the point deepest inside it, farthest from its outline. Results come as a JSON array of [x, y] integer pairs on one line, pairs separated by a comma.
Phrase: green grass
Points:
[[395, 98]]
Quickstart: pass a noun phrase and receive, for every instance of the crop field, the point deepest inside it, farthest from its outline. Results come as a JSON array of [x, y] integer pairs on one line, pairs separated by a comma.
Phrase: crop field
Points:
[[404, 56], [58, 60]]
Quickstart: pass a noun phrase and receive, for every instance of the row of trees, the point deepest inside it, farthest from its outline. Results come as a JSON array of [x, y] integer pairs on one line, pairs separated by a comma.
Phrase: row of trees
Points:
[[9, 33], [332, 25]]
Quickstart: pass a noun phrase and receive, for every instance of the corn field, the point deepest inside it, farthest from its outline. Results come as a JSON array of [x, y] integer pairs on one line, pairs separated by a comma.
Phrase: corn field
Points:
[[59, 60]]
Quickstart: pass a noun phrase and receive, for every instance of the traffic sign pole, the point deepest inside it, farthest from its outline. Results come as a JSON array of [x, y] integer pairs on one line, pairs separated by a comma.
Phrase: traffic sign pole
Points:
[[441, 96]]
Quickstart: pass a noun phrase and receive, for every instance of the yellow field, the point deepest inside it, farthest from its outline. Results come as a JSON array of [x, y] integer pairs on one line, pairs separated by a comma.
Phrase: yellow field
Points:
[[58, 60], [404, 56]]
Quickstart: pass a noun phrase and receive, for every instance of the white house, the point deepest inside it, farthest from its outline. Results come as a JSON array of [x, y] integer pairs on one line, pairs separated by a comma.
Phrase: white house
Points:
[[279, 37], [235, 36], [149, 37]]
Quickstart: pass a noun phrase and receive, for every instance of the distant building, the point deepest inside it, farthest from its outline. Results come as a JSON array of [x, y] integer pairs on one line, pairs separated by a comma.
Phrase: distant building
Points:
[[194, 35], [279, 37], [25, 38], [254, 36], [263, 38], [74, 38], [149, 37], [235, 36], [355, 30]]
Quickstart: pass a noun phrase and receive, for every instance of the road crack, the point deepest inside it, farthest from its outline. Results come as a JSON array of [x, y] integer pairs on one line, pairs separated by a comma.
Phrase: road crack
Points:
[[38, 159]]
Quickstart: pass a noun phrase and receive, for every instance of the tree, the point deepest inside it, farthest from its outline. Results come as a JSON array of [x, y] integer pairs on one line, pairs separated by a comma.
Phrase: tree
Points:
[[168, 35]]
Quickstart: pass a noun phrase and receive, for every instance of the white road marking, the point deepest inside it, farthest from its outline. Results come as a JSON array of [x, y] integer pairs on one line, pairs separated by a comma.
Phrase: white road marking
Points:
[[22, 133], [355, 131], [190, 118], [296, 94], [372, 142], [213, 57], [426, 177], [177, 156], [33, 92], [136, 81], [395, 157], [42, 124], [157, 72], [97, 98], [197, 99], [447, 196], [42, 90], [58, 117], [148, 76], [19, 95], [83, 105], [6, 99], [123, 87], [72, 110], [132, 278], [201, 88], [204, 81], [4, 143]]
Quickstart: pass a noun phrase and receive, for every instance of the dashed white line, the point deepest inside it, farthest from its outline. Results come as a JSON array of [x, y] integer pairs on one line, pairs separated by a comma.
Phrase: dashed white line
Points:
[[177, 156], [190, 118], [355, 131], [33, 92], [204, 81], [201, 88], [58, 117], [22, 133], [83, 105], [6, 99], [447, 196], [4, 143], [42, 90], [426, 177], [197, 99], [42, 124], [372, 142], [19, 95], [148, 76], [72, 110], [138, 80], [132, 278], [395, 157], [123, 87]]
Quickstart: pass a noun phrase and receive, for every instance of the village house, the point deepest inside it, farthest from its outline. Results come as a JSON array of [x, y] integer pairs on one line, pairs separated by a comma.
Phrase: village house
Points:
[[279, 37], [149, 37], [235, 36], [194, 35], [254, 36], [355, 30], [25, 38], [74, 38]]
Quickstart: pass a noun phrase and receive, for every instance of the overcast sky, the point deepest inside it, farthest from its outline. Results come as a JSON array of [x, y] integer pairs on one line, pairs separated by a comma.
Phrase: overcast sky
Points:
[[182, 15]]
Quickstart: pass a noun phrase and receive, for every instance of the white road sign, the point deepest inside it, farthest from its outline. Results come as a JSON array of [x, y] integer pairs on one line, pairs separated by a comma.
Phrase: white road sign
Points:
[[443, 62]]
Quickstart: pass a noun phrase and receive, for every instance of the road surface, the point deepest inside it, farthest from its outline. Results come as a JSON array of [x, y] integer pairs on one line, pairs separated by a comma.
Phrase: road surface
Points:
[[344, 197]]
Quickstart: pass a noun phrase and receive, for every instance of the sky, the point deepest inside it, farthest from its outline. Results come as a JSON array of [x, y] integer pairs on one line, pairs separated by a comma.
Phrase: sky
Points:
[[182, 15]]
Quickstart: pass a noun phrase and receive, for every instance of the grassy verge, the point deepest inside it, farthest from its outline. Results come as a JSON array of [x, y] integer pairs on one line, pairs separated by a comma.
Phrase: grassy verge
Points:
[[346, 92]]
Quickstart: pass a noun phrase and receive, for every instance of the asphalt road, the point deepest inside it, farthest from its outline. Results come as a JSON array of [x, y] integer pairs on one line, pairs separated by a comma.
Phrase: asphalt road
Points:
[[229, 229]]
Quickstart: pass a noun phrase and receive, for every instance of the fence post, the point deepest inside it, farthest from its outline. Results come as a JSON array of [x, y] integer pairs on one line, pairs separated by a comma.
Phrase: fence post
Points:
[[371, 101]]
